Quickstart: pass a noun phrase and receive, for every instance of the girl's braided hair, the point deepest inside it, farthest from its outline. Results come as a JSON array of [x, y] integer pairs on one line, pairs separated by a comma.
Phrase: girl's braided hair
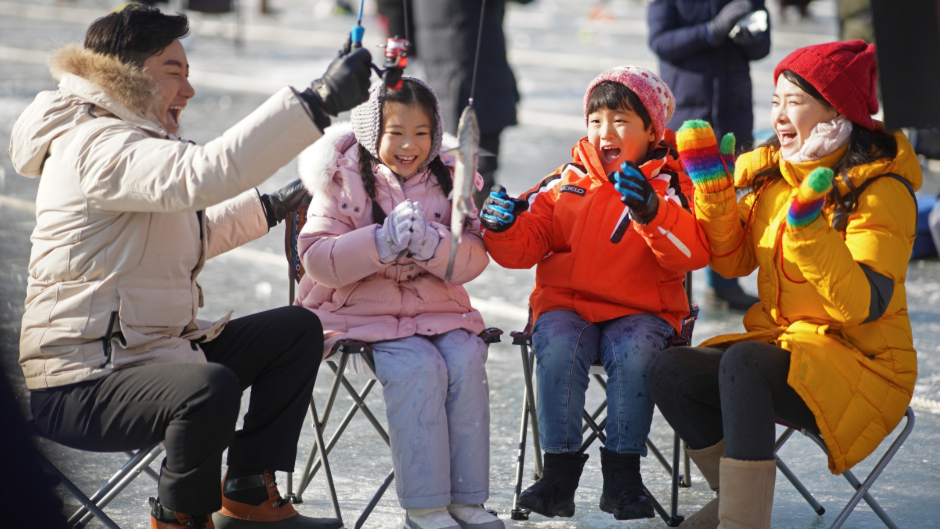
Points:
[[411, 93]]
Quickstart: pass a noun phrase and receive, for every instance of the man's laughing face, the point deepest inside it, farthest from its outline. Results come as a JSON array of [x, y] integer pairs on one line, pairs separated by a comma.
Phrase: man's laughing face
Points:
[[170, 70]]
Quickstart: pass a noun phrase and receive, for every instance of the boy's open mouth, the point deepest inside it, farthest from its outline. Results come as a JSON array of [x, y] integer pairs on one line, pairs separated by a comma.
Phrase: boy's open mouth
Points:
[[173, 115], [609, 153]]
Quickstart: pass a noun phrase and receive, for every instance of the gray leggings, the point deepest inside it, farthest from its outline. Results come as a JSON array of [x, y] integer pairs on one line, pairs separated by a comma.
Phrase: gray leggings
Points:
[[708, 394]]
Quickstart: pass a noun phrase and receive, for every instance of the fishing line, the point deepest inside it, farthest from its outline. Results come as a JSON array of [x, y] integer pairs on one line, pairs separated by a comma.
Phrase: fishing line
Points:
[[476, 56], [404, 4]]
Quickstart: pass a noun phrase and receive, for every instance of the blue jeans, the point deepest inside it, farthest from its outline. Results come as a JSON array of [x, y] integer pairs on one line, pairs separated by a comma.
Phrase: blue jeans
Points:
[[565, 347]]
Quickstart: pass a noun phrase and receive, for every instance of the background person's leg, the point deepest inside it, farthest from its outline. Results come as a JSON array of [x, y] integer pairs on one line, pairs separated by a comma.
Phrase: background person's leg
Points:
[[191, 407], [627, 347], [565, 346], [683, 382], [754, 391], [277, 353], [468, 415], [414, 383]]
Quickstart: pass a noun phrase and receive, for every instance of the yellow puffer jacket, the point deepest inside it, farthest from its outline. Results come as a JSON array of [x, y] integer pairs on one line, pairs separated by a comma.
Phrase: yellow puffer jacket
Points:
[[856, 377]]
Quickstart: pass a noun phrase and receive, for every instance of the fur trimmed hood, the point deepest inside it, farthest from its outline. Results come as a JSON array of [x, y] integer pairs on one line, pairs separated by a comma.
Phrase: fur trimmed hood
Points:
[[317, 164], [126, 84], [91, 85]]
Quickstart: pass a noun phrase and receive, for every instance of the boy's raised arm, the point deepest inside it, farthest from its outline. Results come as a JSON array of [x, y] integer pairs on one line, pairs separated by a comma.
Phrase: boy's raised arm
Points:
[[528, 237]]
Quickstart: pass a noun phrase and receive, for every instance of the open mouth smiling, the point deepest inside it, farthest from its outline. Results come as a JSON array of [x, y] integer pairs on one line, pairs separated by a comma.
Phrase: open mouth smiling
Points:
[[610, 153]]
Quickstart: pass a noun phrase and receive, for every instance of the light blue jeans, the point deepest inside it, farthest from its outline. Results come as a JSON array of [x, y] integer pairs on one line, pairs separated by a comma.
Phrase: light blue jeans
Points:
[[438, 409], [565, 347]]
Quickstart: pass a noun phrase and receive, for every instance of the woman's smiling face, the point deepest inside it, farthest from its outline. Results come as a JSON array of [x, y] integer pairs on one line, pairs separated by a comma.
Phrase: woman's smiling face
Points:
[[794, 114]]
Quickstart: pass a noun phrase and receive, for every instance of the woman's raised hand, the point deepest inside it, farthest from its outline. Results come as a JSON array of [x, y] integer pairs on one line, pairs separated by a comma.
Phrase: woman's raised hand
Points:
[[710, 168], [809, 199]]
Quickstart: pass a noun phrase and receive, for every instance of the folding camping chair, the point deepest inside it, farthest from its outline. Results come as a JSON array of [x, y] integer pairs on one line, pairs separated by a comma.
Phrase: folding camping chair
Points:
[[524, 340], [318, 454], [92, 507], [861, 488]]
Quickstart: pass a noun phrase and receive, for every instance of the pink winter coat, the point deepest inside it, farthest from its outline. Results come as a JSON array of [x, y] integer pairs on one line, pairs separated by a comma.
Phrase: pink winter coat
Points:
[[354, 294]]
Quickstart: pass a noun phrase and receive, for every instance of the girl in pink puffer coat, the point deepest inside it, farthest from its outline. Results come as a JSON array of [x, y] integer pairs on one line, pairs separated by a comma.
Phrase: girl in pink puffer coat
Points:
[[375, 248]]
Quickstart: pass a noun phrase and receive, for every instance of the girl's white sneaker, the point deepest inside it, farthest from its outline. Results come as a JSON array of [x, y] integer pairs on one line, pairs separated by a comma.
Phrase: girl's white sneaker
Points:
[[437, 518], [474, 517]]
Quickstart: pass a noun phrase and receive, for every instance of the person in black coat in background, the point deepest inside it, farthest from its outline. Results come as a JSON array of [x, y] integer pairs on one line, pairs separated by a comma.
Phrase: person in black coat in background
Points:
[[704, 49], [446, 35]]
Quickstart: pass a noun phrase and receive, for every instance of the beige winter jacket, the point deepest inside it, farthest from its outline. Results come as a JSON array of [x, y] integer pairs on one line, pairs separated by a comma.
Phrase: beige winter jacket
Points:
[[126, 216]]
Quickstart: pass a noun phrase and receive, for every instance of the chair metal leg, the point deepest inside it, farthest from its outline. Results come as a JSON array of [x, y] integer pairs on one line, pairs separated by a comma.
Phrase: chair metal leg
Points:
[[527, 358], [116, 486], [312, 464], [517, 513], [305, 476], [791, 477], [375, 500], [862, 488], [149, 471], [331, 488], [674, 518], [686, 480], [86, 502], [659, 456]]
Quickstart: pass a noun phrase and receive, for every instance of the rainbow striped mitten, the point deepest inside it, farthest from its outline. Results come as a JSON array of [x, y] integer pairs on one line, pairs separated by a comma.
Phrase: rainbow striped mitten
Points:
[[810, 198], [702, 158]]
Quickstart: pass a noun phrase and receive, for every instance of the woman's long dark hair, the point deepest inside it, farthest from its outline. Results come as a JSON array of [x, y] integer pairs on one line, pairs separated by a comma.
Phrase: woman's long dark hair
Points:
[[864, 147], [410, 93]]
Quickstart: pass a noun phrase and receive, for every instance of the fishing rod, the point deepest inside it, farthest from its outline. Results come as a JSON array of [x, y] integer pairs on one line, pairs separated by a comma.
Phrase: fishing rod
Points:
[[396, 52]]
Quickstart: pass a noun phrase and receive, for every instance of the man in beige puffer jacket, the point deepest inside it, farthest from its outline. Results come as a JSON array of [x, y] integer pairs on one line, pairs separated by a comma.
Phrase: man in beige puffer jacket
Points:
[[126, 216]]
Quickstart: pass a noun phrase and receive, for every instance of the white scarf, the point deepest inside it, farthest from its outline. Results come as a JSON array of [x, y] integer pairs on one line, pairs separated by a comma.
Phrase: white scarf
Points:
[[825, 139]]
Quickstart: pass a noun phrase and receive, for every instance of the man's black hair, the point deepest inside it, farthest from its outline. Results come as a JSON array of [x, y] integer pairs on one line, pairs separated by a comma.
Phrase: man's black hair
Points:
[[615, 96], [135, 33]]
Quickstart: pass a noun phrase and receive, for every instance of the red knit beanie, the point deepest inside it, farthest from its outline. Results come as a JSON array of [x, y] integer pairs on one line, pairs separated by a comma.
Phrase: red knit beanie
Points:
[[843, 72], [652, 91]]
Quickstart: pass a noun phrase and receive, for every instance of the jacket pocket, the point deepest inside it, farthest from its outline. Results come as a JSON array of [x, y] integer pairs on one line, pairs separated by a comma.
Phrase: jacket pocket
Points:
[[156, 307]]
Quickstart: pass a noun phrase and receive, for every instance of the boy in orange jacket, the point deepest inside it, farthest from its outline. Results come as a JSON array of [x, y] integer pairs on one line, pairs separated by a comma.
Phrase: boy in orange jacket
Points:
[[610, 269]]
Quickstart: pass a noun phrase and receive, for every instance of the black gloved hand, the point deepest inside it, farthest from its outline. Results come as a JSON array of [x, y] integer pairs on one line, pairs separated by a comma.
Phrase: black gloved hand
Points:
[[500, 210], [724, 21], [278, 205], [345, 83], [636, 192]]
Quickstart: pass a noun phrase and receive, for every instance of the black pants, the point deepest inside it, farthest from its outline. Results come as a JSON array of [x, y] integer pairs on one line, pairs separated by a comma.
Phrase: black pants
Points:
[[192, 408], [709, 394]]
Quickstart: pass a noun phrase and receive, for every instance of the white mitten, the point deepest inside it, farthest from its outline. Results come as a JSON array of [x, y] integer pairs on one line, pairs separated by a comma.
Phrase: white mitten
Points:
[[424, 238], [393, 236]]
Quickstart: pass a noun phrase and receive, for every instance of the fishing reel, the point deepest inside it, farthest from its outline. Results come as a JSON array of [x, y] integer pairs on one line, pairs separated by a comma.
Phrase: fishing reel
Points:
[[396, 57]]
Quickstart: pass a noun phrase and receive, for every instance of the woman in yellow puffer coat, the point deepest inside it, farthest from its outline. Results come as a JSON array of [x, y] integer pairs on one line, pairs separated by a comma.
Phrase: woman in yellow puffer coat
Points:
[[829, 348]]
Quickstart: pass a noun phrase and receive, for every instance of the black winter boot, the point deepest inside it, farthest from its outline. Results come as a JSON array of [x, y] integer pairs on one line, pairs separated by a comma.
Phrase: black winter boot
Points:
[[623, 494], [553, 495]]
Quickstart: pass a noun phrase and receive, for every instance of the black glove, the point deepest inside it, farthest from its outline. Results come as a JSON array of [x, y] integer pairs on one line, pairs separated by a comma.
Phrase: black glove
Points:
[[636, 192], [278, 205], [724, 21], [345, 83], [500, 210]]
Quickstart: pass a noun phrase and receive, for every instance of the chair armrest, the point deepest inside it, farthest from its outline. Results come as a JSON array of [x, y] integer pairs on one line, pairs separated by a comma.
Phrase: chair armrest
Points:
[[491, 335]]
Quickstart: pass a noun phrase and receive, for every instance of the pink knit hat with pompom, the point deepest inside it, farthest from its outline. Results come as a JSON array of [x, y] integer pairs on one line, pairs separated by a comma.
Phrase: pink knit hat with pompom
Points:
[[652, 91]]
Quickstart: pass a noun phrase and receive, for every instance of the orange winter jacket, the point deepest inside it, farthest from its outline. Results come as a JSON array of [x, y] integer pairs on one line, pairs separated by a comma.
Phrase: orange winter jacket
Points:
[[567, 230]]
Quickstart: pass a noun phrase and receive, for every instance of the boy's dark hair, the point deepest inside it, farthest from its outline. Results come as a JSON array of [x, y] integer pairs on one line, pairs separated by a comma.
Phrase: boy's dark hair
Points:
[[410, 93], [615, 96], [135, 33]]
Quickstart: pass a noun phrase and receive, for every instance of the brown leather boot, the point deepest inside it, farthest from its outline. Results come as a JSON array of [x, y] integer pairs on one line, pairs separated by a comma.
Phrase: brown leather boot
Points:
[[273, 513], [707, 461], [161, 518]]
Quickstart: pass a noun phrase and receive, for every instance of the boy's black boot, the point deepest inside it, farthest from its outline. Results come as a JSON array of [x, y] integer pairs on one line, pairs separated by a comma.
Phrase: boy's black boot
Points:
[[553, 495], [623, 494]]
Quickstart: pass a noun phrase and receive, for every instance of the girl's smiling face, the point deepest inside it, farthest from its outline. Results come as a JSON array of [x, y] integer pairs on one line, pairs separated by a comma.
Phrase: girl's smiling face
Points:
[[794, 114], [619, 135], [406, 138]]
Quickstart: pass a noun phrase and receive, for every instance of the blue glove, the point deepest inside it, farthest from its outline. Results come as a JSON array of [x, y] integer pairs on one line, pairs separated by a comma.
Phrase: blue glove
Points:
[[636, 192], [500, 210]]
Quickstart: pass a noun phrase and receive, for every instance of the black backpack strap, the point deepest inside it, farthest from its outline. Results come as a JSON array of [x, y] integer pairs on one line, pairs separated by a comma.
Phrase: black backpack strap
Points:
[[840, 218]]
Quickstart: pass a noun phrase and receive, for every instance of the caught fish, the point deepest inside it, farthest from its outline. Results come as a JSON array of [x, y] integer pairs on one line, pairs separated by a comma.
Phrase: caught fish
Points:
[[468, 146]]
